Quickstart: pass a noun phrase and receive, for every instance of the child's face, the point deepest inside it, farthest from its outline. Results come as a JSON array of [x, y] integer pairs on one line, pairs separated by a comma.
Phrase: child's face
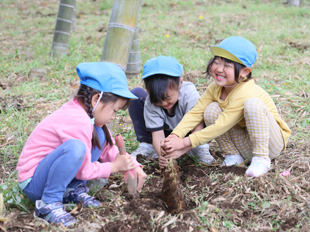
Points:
[[171, 98], [223, 73], [104, 113]]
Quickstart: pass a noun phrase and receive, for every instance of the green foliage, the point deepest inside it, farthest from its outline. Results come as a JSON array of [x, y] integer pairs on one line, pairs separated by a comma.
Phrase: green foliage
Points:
[[201, 209], [228, 224], [14, 197], [266, 204], [252, 205]]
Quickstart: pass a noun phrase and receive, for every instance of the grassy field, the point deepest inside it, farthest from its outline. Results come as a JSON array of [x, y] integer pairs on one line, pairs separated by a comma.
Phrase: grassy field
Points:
[[185, 30]]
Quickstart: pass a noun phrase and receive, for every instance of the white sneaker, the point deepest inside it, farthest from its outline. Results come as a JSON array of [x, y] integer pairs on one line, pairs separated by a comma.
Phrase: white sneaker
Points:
[[231, 160], [203, 154], [145, 149], [258, 167]]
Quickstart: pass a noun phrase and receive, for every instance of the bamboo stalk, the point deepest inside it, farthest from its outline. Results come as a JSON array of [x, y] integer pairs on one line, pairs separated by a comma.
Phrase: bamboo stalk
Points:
[[134, 60], [62, 28], [294, 2], [121, 30], [73, 24]]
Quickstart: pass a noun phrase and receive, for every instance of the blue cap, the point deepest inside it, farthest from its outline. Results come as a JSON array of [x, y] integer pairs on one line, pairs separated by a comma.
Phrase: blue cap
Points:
[[105, 77], [237, 49], [162, 65]]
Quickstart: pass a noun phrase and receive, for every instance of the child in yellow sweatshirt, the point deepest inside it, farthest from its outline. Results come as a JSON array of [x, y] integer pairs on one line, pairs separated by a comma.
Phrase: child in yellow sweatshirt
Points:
[[239, 114]]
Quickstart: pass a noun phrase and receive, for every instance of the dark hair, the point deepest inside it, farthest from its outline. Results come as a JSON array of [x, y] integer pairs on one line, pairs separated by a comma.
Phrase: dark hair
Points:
[[238, 68], [85, 93], [158, 84]]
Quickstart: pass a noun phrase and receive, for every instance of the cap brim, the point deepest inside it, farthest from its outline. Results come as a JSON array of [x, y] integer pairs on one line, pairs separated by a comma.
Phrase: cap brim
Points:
[[160, 72], [217, 51], [126, 94]]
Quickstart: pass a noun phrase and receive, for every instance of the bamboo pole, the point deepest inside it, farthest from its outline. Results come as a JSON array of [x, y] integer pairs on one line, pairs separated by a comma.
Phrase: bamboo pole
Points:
[[73, 24], [121, 30], [62, 28], [134, 60], [294, 2]]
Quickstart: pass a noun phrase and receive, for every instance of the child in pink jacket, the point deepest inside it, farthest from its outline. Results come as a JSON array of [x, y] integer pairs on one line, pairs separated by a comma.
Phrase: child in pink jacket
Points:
[[73, 145]]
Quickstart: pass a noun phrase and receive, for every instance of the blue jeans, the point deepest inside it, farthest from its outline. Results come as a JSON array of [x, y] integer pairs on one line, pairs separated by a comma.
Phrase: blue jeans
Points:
[[57, 170], [136, 113], [135, 110]]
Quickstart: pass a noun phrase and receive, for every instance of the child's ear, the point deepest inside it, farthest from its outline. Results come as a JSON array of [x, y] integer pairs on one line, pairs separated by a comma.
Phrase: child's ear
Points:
[[94, 100], [181, 82], [245, 71]]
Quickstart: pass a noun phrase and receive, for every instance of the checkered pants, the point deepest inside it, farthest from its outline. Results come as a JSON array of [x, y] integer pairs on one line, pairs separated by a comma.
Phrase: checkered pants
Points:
[[261, 137]]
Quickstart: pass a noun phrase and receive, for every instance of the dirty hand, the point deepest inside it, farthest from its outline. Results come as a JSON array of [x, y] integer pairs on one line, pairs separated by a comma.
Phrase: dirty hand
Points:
[[162, 147], [174, 155], [122, 163], [173, 143], [164, 159], [141, 176], [163, 162]]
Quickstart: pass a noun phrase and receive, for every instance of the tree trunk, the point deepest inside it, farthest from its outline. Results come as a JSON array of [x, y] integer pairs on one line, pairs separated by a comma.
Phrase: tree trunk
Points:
[[134, 61], [294, 2], [121, 30], [62, 28]]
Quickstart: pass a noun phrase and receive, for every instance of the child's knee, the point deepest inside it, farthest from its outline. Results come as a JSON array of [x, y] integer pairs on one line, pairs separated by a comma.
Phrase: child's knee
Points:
[[78, 149], [139, 92], [253, 104], [211, 113]]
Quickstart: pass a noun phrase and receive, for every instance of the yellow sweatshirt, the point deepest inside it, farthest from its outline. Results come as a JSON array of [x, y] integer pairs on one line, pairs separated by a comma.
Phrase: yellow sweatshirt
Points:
[[232, 113]]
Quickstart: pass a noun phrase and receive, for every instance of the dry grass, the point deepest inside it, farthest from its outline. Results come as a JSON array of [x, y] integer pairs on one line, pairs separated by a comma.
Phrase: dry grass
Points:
[[217, 199]]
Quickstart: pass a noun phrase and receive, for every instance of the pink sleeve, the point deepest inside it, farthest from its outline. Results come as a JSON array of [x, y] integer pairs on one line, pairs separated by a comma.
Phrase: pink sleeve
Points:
[[83, 132], [109, 153]]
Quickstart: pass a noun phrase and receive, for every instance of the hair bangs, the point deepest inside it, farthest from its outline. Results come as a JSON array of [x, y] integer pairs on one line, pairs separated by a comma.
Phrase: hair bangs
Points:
[[237, 66], [157, 86]]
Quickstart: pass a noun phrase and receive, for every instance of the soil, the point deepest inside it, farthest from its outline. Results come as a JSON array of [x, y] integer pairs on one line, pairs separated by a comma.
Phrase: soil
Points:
[[122, 212], [289, 223], [150, 198], [147, 212], [300, 47]]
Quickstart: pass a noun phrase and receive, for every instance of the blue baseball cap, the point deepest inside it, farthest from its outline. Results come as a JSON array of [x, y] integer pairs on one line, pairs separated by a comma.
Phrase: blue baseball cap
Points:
[[162, 65], [237, 49], [105, 77]]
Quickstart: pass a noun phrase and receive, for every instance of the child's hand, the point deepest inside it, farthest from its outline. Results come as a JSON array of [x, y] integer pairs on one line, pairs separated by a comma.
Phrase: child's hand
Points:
[[163, 159], [122, 163], [174, 155], [141, 176], [163, 144], [172, 143], [163, 162]]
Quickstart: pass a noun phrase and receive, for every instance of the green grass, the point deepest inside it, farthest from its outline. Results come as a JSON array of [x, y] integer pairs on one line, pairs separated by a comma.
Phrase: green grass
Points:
[[282, 68]]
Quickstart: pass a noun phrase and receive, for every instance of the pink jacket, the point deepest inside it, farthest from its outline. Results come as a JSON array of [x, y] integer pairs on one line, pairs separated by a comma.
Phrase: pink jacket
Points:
[[69, 122]]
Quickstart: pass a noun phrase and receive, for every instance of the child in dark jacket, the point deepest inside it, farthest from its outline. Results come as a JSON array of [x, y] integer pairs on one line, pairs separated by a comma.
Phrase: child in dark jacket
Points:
[[159, 110]]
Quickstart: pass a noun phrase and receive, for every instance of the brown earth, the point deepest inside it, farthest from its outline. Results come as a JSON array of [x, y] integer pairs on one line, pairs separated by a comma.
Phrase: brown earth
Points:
[[209, 194]]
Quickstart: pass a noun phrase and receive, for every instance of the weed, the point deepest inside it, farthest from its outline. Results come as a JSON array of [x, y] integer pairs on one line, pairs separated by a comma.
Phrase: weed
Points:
[[228, 224], [252, 205], [14, 197]]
